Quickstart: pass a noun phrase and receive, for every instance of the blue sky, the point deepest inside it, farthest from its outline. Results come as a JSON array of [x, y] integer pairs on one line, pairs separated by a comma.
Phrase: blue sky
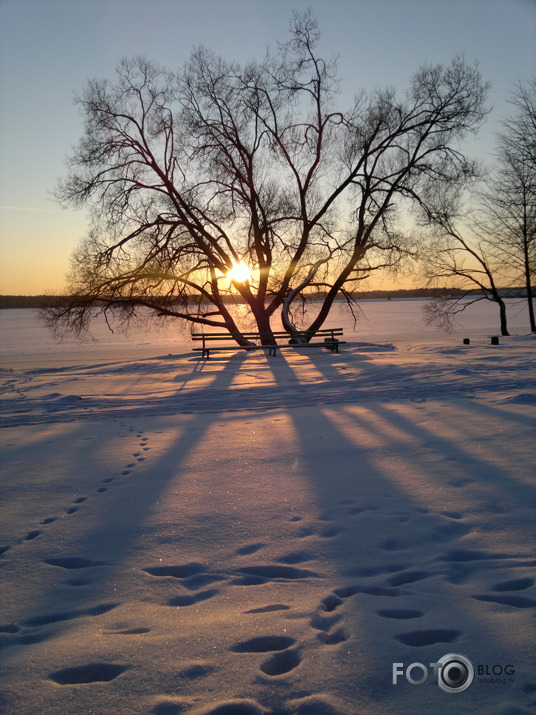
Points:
[[50, 48]]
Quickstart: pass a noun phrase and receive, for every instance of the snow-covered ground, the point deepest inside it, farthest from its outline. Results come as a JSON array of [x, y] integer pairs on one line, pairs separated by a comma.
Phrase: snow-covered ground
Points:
[[268, 535]]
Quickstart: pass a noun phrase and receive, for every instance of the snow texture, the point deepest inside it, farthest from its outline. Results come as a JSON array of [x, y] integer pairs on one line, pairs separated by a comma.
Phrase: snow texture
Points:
[[251, 534]]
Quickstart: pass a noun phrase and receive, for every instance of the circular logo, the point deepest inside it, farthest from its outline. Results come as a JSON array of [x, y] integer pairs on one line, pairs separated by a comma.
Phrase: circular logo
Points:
[[456, 673]]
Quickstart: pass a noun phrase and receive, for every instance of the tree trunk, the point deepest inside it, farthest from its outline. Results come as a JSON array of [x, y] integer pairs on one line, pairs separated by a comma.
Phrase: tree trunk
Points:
[[528, 286], [231, 326], [531, 308], [502, 310], [263, 324]]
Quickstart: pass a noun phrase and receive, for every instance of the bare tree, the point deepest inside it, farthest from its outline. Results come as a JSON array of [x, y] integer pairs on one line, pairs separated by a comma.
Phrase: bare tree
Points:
[[470, 269], [189, 174], [508, 212], [497, 246]]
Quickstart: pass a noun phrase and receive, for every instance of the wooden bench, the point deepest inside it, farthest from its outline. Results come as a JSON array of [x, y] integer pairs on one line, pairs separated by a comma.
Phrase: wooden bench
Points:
[[330, 341]]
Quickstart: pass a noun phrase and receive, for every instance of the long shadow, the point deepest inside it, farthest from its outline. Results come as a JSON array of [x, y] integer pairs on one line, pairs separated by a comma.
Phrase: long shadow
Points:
[[18, 495], [421, 390], [392, 563], [115, 532], [396, 550]]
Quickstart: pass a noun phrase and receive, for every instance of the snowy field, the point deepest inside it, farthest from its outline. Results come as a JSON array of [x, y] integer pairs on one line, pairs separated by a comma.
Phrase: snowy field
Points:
[[251, 535]]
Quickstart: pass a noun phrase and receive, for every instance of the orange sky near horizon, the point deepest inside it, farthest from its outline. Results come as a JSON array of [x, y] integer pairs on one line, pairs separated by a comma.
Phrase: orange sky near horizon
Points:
[[39, 271]]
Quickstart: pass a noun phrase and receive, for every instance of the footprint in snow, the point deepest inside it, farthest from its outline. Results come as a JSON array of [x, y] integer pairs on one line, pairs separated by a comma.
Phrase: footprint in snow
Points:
[[514, 601], [295, 557], [331, 603], [264, 644], [325, 624], [335, 599], [89, 673], [254, 575], [200, 596], [48, 618], [330, 531], [284, 658], [518, 584], [250, 549], [452, 514], [10, 628], [270, 608], [304, 532], [400, 613], [180, 571], [73, 562], [281, 663], [338, 636], [408, 577], [31, 535], [192, 576]]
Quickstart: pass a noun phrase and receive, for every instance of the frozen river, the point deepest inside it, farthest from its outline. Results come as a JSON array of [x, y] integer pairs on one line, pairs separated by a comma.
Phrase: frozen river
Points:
[[26, 343]]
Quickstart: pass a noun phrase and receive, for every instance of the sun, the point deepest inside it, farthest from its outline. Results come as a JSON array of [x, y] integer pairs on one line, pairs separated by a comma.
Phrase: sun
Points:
[[239, 273]]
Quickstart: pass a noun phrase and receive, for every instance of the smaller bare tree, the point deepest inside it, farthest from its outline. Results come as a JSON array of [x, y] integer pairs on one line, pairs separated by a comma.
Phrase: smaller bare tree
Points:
[[508, 202], [497, 246], [469, 268]]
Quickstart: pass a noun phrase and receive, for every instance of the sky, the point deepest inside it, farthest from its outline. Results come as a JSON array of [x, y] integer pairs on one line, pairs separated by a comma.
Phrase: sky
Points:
[[49, 49]]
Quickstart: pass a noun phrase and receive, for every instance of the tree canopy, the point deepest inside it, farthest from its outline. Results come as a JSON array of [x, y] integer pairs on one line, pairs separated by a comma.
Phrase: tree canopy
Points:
[[189, 173]]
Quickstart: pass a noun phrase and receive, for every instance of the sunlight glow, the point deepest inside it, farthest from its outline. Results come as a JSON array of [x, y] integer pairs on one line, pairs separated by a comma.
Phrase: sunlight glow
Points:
[[239, 273]]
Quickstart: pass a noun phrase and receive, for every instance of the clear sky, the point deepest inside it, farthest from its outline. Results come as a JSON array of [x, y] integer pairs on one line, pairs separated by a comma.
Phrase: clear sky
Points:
[[50, 48]]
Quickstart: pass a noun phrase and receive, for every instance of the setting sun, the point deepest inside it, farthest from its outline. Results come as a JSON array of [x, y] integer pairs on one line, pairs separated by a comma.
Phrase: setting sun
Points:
[[239, 273]]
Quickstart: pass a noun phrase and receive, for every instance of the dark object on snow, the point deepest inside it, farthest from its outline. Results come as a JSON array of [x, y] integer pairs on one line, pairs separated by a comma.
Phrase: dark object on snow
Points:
[[494, 339], [466, 341]]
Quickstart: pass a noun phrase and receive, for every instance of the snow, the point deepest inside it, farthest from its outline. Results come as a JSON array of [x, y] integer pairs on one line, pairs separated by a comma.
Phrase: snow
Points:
[[251, 534]]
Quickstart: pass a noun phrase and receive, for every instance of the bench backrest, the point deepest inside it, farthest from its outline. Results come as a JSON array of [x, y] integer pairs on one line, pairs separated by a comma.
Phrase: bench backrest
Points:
[[323, 332]]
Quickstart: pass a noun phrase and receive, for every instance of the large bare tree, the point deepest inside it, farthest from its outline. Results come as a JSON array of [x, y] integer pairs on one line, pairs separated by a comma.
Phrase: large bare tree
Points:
[[189, 174]]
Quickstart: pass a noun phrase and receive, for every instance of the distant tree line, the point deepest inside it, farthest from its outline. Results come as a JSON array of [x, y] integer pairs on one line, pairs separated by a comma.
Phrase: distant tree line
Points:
[[41, 302], [24, 301]]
